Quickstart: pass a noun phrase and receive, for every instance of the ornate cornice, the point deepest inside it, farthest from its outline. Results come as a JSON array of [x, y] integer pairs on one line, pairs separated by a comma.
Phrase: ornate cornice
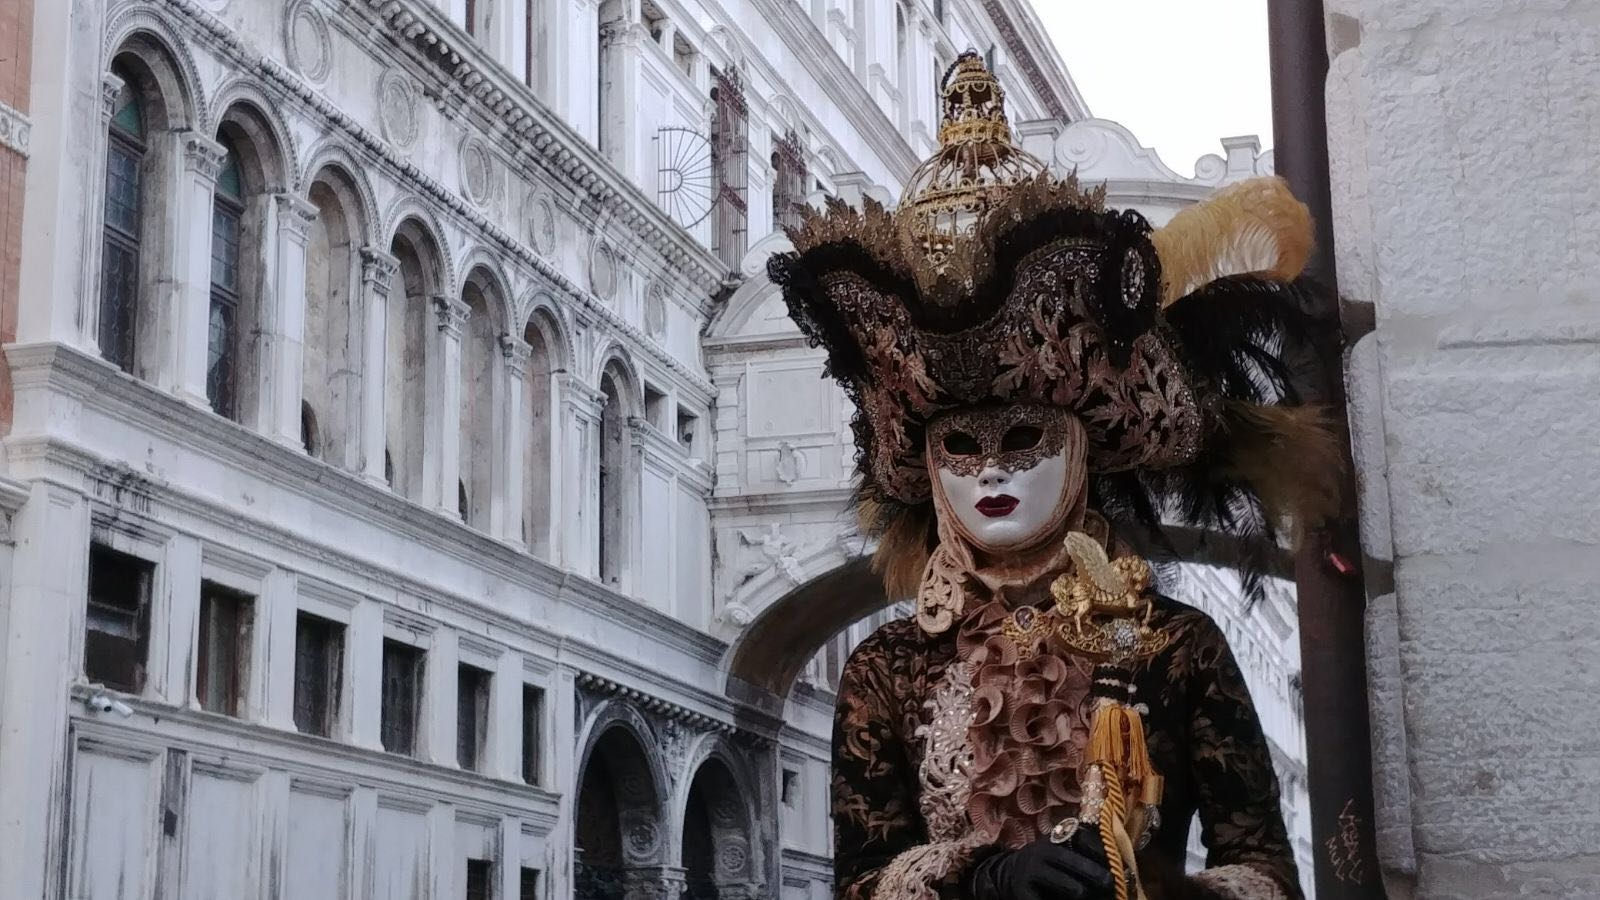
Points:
[[795, 27], [376, 151], [514, 106], [652, 704], [1058, 93]]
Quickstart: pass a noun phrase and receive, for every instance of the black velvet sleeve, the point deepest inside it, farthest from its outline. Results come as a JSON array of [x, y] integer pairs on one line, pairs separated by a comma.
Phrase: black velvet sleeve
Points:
[[882, 847], [1248, 852], [875, 816]]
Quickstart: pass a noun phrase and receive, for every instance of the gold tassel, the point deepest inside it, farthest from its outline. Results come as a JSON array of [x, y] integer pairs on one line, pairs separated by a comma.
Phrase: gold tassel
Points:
[[1117, 746]]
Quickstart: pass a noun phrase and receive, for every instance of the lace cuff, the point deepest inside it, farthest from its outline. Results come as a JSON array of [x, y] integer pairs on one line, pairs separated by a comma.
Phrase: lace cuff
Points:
[[1237, 882], [917, 873]]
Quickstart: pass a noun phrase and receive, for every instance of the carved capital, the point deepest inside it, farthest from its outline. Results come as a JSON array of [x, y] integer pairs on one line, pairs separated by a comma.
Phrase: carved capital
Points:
[[378, 269], [451, 315], [585, 402], [515, 351], [110, 89], [295, 217], [202, 156]]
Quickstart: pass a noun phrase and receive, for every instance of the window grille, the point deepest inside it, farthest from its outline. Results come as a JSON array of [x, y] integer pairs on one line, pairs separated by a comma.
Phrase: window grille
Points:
[[729, 149], [789, 178]]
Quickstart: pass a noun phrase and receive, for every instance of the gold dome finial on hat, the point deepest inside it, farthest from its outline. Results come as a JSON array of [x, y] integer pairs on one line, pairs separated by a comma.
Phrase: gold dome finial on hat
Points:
[[976, 160]]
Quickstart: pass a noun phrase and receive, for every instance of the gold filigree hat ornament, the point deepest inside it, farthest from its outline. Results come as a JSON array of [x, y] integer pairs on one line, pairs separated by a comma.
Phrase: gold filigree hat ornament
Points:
[[947, 195]]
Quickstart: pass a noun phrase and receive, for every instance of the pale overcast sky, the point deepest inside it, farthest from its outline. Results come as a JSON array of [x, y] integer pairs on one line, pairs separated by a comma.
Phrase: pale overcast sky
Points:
[[1179, 73]]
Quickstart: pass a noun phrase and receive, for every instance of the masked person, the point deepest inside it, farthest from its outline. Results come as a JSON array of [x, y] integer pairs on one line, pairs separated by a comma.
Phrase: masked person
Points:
[[1034, 374]]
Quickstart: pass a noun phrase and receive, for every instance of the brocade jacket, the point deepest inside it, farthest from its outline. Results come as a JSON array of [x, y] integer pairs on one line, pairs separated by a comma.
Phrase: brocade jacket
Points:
[[900, 733]]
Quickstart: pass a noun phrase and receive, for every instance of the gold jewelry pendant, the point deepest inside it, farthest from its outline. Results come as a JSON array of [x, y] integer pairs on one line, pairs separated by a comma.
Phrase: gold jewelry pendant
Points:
[[1105, 606]]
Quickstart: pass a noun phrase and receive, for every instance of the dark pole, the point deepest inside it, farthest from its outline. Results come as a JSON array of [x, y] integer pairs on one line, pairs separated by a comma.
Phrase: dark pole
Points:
[[1327, 567]]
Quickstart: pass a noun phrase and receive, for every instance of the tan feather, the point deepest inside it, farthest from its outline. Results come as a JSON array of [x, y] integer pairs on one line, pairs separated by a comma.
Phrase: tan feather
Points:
[[1254, 227]]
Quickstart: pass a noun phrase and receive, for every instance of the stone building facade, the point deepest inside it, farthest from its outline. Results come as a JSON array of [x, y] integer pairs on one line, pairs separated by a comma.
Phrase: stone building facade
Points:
[[1473, 406], [405, 455]]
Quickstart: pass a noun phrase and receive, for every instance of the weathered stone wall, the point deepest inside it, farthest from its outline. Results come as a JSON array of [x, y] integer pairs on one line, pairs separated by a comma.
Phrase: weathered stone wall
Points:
[[1462, 142]]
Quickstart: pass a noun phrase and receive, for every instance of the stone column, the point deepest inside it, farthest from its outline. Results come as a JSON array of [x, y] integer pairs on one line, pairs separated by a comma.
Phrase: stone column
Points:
[[283, 368], [175, 624], [505, 511], [503, 750], [364, 647], [277, 620], [576, 539], [439, 700], [619, 135], [42, 647], [562, 745], [190, 301], [378, 270], [442, 443]]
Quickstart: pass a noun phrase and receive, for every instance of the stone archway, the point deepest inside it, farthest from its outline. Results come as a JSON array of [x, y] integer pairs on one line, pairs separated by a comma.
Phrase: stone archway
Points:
[[718, 855], [776, 646], [619, 841]]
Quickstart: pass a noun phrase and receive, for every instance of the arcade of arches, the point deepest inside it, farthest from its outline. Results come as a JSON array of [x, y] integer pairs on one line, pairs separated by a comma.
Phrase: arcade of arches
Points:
[[666, 811]]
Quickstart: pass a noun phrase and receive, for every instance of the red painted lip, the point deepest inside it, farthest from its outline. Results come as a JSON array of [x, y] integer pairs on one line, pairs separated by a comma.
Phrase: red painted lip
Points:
[[998, 506]]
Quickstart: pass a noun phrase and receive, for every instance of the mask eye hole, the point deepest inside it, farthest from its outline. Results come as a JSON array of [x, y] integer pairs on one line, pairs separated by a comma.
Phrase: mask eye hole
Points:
[[959, 443], [1021, 437]]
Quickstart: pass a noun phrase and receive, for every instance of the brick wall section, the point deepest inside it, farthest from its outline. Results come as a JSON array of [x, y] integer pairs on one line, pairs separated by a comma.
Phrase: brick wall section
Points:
[[16, 59]]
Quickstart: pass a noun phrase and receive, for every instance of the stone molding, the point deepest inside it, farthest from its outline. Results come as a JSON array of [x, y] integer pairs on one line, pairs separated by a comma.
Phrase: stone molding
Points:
[[391, 774], [66, 371], [602, 687]]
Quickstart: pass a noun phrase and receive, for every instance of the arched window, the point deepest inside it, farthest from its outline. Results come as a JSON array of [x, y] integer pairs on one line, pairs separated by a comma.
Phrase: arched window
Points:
[[331, 349], [222, 334], [538, 444], [124, 224], [406, 357], [479, 358], [788, 180]]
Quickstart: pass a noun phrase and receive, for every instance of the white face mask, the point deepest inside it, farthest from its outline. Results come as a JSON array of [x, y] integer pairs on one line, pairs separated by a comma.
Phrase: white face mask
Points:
[[1004, 473]]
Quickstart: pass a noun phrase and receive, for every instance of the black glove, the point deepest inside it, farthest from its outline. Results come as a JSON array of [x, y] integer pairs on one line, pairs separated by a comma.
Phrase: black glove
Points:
[[1044, 870]]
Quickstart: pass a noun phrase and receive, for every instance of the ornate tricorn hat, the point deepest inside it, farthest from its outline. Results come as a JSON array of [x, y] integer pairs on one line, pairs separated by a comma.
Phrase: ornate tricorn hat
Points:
[[994, 282]]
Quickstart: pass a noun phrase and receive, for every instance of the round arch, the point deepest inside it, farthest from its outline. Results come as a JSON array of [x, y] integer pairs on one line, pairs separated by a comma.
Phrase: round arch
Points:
[[411, 213], [152, 38], [620, 789], [481, 268], [718, 844], [329, 157], [543, 313], [267, 146], [787, 631]]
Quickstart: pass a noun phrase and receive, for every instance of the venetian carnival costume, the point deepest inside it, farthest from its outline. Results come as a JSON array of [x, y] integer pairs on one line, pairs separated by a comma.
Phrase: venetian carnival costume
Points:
[[1047, 725]]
